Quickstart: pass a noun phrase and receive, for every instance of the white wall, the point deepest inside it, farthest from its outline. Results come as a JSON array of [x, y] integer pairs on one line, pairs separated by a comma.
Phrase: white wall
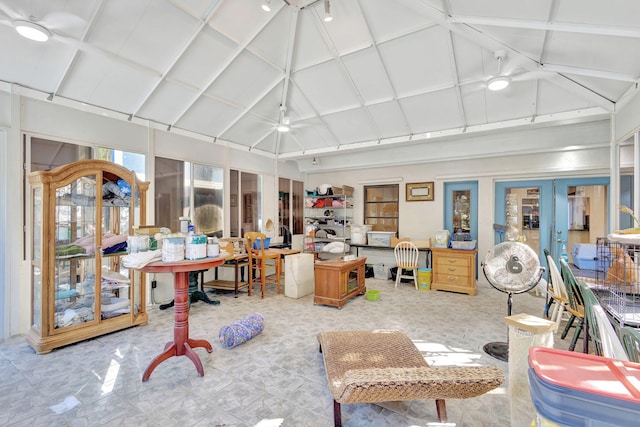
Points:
[[419, 220]]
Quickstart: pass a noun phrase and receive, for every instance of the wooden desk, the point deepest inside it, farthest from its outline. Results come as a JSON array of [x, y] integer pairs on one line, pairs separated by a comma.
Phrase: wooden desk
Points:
[[337, 281], [181, 345]]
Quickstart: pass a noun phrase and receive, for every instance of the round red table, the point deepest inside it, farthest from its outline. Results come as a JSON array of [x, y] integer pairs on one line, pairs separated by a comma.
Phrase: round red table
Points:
[[181, 345]]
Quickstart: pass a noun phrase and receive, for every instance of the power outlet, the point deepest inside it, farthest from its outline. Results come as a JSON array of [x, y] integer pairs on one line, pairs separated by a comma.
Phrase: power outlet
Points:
[[154, 284]]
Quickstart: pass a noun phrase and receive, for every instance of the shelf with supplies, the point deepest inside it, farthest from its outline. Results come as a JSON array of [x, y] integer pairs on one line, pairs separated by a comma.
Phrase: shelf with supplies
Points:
[[328, 225], [82, 216]]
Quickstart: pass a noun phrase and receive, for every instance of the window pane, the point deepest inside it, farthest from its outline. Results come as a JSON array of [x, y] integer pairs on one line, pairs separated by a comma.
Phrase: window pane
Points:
[[169, 192], [298, 207], [208, 200], [381, 207], [234, 209]]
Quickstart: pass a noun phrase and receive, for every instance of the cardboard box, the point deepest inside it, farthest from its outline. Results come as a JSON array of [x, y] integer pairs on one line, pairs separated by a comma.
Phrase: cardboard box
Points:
[[343, 190], [395, 240]]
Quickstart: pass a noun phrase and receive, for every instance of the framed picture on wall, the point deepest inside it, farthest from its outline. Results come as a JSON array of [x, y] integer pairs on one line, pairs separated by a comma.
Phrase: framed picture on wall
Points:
[[419, 191]]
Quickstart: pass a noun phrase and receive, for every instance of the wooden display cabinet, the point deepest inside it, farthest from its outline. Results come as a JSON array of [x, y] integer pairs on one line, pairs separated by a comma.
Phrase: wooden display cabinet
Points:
[[81, 216], [337, 281], [454, 270]]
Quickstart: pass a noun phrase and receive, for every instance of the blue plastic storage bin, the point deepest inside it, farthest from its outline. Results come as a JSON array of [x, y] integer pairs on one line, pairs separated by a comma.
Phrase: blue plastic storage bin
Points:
[[576, 389]]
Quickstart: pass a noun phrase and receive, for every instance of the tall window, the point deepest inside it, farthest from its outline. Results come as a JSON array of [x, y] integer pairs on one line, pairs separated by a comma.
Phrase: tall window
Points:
[[381, 207], [191, 190], [246, 209]]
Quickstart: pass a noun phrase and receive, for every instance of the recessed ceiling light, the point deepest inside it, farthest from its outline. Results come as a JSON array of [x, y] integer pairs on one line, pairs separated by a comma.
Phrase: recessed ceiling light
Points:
[[498, 83], [266, 5], [32, 31]]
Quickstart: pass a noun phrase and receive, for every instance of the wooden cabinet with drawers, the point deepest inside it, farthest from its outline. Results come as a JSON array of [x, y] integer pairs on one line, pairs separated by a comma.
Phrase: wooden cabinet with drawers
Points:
[[454, 270]]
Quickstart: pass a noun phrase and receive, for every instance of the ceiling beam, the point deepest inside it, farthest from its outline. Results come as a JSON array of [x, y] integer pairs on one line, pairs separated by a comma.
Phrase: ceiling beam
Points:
[[565, 27], [570, 117]]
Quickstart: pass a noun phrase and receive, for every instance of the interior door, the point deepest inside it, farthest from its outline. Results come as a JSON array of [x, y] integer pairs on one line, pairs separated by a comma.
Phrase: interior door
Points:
[[461, 207], [528, 206], [582, 214]]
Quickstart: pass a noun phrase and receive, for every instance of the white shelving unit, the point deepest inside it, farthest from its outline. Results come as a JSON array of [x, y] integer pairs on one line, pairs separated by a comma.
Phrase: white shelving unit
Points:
[[328, 221]]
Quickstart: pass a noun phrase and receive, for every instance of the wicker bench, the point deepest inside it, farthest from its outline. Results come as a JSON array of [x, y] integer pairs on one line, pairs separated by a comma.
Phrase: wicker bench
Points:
[[384, 365]]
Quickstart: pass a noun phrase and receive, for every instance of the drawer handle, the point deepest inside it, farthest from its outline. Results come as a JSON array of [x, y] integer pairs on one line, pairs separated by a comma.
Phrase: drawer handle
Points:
[[452, 278], [452, 260], [451, 269]]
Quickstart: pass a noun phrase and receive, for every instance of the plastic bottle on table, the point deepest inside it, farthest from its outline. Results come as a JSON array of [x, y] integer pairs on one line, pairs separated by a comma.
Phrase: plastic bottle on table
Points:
[[563, 254]]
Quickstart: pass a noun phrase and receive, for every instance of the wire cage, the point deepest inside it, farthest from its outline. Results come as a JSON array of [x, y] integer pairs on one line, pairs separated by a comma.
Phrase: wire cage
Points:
[[616, 284]]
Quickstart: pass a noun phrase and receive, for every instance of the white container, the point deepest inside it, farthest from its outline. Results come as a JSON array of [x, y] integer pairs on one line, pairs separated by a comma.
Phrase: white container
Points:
[[196, 247], [299, 279], [442, 239], [173, 249], [213, 250], [184, 224], [380, 238], [359, 234]]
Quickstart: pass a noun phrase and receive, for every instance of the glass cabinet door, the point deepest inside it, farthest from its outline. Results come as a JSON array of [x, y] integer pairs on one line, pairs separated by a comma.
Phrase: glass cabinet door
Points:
[[74, 287]]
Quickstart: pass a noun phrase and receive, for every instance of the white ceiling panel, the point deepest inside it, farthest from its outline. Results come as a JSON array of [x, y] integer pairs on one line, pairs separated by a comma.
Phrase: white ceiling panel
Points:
[[353, 125], [433, 111], [327, 88], [380, 69], [390, 119], [207, 116], [392, 19], [167, 102], [369, 76], [418, 62], [244, 80], [242, 20], [204, 58]]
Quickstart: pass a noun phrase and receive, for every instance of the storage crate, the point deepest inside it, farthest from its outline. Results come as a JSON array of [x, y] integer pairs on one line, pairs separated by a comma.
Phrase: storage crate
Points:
[[379, 238], [380, 271], [467, 245], [343, 190]]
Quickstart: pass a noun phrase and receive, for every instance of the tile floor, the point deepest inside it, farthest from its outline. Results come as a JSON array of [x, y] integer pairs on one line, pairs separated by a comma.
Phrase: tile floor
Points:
[[278, 375]]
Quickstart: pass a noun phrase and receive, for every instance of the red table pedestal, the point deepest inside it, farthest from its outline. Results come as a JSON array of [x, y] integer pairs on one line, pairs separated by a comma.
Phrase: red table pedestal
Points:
[[181, 345]]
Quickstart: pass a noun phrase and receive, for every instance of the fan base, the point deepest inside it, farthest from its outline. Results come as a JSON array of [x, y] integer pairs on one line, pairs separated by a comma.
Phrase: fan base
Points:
[[499, 350]]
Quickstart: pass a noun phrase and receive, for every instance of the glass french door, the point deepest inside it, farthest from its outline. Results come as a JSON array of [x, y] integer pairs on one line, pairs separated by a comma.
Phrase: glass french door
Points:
[[551, 213]]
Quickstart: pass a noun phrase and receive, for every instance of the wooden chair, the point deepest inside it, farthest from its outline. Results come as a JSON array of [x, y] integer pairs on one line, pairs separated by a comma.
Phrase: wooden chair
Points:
[[575, 307], [601, 333], [260, 259], [558, 292], [630, 338], [406, 254]]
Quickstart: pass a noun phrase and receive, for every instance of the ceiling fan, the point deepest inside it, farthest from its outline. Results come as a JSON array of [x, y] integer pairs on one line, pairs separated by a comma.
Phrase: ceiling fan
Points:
[[41, 26], [503, 78]]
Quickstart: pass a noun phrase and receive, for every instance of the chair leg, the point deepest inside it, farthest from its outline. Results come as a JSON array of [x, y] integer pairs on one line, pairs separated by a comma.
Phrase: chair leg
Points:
[[576, 335], [337, 416], [566, 328], [415, 277], [398, 273], [278, 272]]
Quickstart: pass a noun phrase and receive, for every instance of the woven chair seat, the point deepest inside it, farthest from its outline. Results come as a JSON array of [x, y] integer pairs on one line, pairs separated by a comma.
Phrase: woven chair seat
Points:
[[384, 366]]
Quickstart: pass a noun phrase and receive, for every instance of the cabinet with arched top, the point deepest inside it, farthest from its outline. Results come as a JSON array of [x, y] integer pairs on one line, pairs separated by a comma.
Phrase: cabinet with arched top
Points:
[[81, 216]]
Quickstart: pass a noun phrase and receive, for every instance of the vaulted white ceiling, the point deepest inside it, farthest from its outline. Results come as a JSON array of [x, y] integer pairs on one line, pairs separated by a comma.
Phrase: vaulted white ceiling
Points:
[[382, 71]]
